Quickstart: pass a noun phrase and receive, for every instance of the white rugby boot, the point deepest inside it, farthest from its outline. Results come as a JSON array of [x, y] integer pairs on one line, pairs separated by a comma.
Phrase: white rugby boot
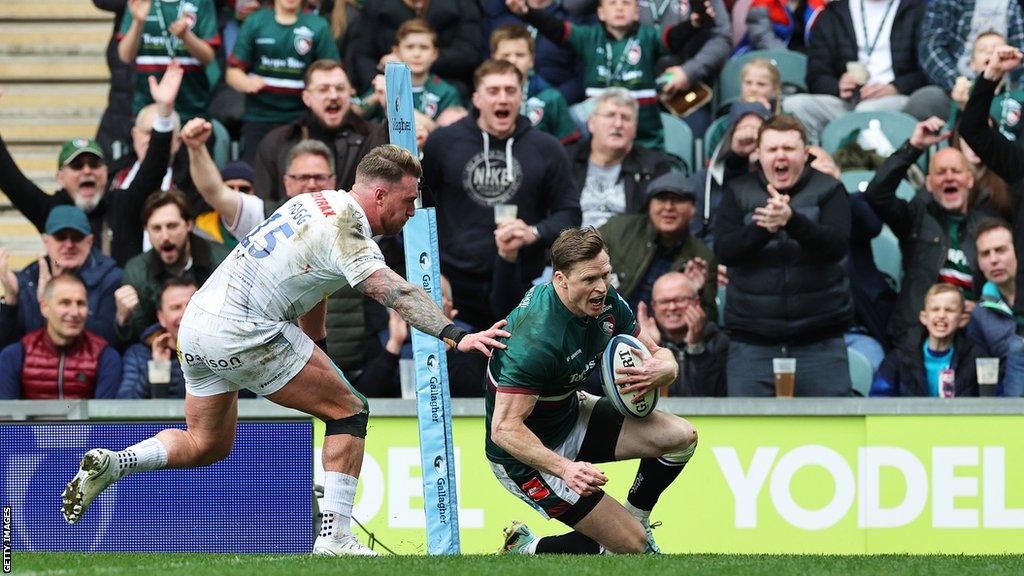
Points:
[[341, 545], [99, 469], [652, 546], [517, 538]]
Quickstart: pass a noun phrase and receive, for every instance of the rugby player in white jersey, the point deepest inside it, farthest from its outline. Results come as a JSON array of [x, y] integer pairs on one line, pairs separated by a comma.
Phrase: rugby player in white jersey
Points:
[[238, 332]]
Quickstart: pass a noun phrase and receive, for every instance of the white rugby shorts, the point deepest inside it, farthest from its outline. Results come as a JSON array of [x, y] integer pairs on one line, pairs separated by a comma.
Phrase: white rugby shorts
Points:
[[221, 355]]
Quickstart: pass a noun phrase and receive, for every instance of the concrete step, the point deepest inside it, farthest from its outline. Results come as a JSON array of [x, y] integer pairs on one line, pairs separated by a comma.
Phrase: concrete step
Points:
[[20, 238], [54, 38], [21, 114], [49, 130], [46, 97], [52, 10], [74, 68]]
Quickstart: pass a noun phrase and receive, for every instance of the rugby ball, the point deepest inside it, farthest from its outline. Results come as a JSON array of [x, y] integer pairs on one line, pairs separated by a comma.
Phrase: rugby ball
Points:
[[617, 354]]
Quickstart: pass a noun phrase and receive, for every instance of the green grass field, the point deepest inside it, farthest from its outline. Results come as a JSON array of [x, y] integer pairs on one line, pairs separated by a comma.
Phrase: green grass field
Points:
[[676, 565]]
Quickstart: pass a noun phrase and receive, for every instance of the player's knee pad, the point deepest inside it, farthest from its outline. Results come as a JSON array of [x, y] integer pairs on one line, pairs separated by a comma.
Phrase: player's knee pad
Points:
[[354, 425], [680, 457]]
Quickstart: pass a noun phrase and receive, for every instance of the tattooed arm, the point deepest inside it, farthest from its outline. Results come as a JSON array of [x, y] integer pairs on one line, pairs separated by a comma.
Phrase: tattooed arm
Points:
[[417, 308], [411, 302]]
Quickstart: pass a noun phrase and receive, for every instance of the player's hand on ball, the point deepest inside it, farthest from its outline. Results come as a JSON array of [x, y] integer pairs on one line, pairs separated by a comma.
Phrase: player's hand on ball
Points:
[[641, 379], [484, 341], [583, 478]]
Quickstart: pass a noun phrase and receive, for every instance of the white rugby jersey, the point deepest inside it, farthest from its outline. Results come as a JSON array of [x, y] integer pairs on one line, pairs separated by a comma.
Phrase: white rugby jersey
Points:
[[309, 248]]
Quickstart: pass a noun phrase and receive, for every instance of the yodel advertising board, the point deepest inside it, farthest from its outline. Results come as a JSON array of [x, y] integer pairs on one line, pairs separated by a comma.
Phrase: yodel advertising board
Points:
[[793, 484]]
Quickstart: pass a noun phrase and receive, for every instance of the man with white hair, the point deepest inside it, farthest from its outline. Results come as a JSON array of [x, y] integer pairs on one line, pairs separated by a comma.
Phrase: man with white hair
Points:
[[611, 170]]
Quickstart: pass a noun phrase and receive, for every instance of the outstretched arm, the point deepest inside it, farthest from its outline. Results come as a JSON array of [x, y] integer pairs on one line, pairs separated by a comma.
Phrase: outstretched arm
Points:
[[417, 308], [204, 171], [999, 154]]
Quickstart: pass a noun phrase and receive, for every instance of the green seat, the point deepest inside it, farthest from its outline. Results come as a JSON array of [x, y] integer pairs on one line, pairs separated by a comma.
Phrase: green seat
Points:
[[679, 140], [861, 372], [792, 68], [887, 255], [713, 136], [221, 144], [897, 126], [857, 181]]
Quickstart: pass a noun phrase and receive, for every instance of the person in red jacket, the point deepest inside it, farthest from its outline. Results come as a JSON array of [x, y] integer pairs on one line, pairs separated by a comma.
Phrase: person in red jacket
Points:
[[63, 359]]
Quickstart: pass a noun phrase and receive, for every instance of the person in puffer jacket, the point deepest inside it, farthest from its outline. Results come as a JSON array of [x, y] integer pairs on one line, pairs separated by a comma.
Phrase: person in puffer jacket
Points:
[[63, 359]]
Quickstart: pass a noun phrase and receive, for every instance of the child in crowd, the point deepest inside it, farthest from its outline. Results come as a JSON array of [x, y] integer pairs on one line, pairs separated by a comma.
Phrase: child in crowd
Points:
[[154, 33], [943, 364], [1006, 106], [543, 105], [273, 50], [760, 81], [416, 46], [618, 52]]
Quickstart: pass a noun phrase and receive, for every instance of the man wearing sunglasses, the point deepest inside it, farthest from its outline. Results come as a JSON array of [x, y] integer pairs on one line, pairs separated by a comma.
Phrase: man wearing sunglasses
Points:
[[70, 249], [328, 118], [83, 177]]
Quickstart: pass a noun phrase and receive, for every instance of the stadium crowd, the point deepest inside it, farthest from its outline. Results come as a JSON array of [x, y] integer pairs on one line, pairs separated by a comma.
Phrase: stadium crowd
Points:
[[834, 182]]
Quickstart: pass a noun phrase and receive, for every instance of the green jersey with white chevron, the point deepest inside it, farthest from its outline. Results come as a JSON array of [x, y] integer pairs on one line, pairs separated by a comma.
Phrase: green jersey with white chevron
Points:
[[280, 54], [157, 47], [550, 354], [628, 62], [548, 111], [432, 98]]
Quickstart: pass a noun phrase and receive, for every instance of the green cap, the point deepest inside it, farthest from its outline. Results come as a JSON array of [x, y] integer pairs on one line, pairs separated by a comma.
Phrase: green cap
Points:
[[77, 146]]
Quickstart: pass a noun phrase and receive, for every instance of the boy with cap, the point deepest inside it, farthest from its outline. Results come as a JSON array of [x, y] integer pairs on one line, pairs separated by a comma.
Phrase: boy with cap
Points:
[[70, 249], [644, 246]]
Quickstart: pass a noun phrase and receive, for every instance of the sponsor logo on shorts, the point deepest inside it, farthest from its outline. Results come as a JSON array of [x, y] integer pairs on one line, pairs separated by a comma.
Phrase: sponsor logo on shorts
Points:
[[195, 359], [535, 489]]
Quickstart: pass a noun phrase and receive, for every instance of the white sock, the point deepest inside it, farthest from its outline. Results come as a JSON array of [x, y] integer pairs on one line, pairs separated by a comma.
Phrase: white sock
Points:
[[339, 494], [531, 548], [150, 454], [641, 515]]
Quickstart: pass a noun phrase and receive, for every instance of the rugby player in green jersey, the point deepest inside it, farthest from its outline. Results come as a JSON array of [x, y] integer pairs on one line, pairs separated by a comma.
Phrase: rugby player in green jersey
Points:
[[544, 435]]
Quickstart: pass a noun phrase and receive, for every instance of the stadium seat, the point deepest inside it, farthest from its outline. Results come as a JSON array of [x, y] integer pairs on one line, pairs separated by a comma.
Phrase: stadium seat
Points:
[[792, 67], [678, 139], [897, 126], [857, 181], [713, 135], [221, 145], [861, 372], [888, 258]]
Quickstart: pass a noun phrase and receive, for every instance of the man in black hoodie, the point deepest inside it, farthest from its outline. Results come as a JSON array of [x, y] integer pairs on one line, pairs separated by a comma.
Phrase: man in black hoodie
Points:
[[491, 157]]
